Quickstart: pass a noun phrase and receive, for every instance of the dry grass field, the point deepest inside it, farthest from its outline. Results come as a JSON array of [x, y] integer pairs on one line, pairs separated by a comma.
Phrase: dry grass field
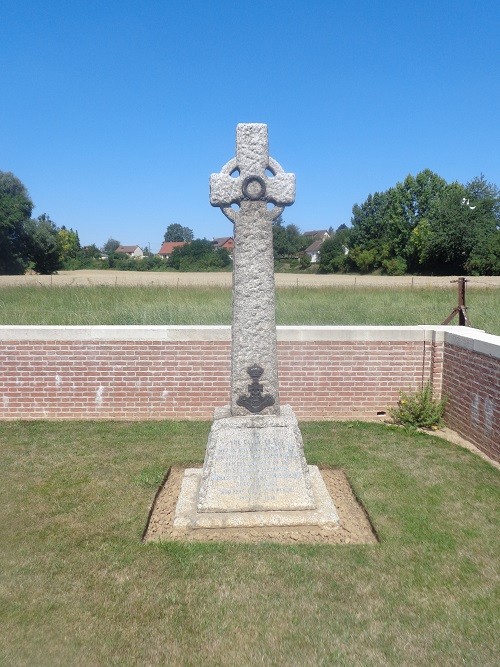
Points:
[[84, 278]]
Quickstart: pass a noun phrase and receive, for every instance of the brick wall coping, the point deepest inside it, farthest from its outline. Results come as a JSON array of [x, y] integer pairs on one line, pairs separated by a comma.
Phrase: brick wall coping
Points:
[[115, 333], [211, 333], [468, 338], [473, 339]]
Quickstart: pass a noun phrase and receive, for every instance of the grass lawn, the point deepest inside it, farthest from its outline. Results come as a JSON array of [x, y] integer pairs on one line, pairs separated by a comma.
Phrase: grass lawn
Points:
[[212, 305], [77, 586]]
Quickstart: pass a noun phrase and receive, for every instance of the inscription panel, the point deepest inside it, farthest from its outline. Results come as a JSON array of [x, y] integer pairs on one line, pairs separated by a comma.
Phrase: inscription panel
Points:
[[254, 468]]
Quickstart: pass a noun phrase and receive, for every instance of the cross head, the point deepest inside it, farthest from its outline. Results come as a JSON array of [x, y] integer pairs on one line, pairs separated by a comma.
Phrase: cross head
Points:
[[252, 180]]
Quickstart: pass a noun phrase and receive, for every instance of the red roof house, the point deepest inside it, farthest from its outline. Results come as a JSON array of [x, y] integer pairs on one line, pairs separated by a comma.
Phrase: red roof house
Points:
[[167, 248], [226, 242]]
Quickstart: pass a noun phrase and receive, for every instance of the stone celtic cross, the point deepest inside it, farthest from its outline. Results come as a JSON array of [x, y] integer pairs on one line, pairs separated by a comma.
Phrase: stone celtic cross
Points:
[[255, 472], [252, 189]]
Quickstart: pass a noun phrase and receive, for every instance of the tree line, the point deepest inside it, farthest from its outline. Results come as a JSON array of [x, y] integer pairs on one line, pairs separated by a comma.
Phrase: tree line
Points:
[[24, 241], [39, 244], [422, 225]]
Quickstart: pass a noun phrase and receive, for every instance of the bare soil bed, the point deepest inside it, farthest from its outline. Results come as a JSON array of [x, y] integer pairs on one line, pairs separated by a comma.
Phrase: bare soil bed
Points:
[[88, 278], [354, 528]]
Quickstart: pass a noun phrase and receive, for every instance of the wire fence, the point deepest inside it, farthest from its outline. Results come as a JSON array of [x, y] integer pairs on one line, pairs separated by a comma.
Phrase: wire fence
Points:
[[88, 278]]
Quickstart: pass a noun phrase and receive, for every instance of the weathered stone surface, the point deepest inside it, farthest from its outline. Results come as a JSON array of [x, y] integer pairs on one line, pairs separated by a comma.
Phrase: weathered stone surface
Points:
[[187, 516], [253, 180], [254, 325], [255, 463]]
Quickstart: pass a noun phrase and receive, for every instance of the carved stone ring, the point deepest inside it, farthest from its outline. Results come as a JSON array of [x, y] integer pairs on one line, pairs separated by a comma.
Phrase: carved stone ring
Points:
[[230, 169], [254, 188]]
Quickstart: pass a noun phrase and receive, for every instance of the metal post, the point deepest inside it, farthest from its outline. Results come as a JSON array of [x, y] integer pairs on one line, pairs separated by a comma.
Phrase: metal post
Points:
[[461, 309], [462, 314]]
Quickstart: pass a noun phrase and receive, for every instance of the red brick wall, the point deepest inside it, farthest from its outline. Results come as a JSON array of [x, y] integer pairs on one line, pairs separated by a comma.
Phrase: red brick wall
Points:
[[113, 379], [188, 379], [471, 381], [323, 379]]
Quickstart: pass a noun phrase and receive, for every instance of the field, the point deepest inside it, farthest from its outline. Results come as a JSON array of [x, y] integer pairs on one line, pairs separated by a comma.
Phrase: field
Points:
[[200, 299], [77, 586], [89, 278]]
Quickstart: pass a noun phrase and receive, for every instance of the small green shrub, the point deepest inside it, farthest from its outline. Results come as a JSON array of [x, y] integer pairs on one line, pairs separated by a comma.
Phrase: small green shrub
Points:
[[419, 409], [396, 266]]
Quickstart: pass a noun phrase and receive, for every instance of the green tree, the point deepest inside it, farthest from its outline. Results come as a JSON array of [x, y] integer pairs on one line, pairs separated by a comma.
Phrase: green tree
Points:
[[486, 194], [383, 225], [42, 245], [418, 194], [368, 232], [305, 261], [69, 244], [150, 263], [15, 211], [89, 252], [176, 232], [452, 232], [485, 258], [421, 194], [367, 222], [484, 199], [418, 243], [364, 261], [407, 226], [462, 230], [332, 254], [110, 246], [344, 233], [287, 239]]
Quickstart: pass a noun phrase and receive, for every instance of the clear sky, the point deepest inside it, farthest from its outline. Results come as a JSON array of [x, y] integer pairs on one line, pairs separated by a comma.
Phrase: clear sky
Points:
[[113, 113]]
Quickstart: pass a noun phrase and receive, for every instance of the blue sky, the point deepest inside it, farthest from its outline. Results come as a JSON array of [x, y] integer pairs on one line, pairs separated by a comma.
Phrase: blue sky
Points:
[[115, 113]]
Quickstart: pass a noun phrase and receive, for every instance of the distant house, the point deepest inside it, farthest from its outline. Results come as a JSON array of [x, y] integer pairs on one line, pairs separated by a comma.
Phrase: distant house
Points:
[[168, 247], [313, 250], [317, 234], [130, 250], [226, 242]]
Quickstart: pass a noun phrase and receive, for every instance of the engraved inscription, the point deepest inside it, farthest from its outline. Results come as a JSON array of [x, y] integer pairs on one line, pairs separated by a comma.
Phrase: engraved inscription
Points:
[[254, 469]]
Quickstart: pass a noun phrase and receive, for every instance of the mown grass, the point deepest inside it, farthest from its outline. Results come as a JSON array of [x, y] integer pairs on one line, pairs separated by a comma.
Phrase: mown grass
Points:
[[310, 306], [78, 588]]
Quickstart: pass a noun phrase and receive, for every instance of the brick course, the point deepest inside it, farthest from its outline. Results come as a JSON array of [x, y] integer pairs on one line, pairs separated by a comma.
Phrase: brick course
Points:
[[113, 380]]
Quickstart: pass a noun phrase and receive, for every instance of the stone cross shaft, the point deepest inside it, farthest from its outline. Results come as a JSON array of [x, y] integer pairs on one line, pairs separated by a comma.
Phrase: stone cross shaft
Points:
[[252, 190]]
